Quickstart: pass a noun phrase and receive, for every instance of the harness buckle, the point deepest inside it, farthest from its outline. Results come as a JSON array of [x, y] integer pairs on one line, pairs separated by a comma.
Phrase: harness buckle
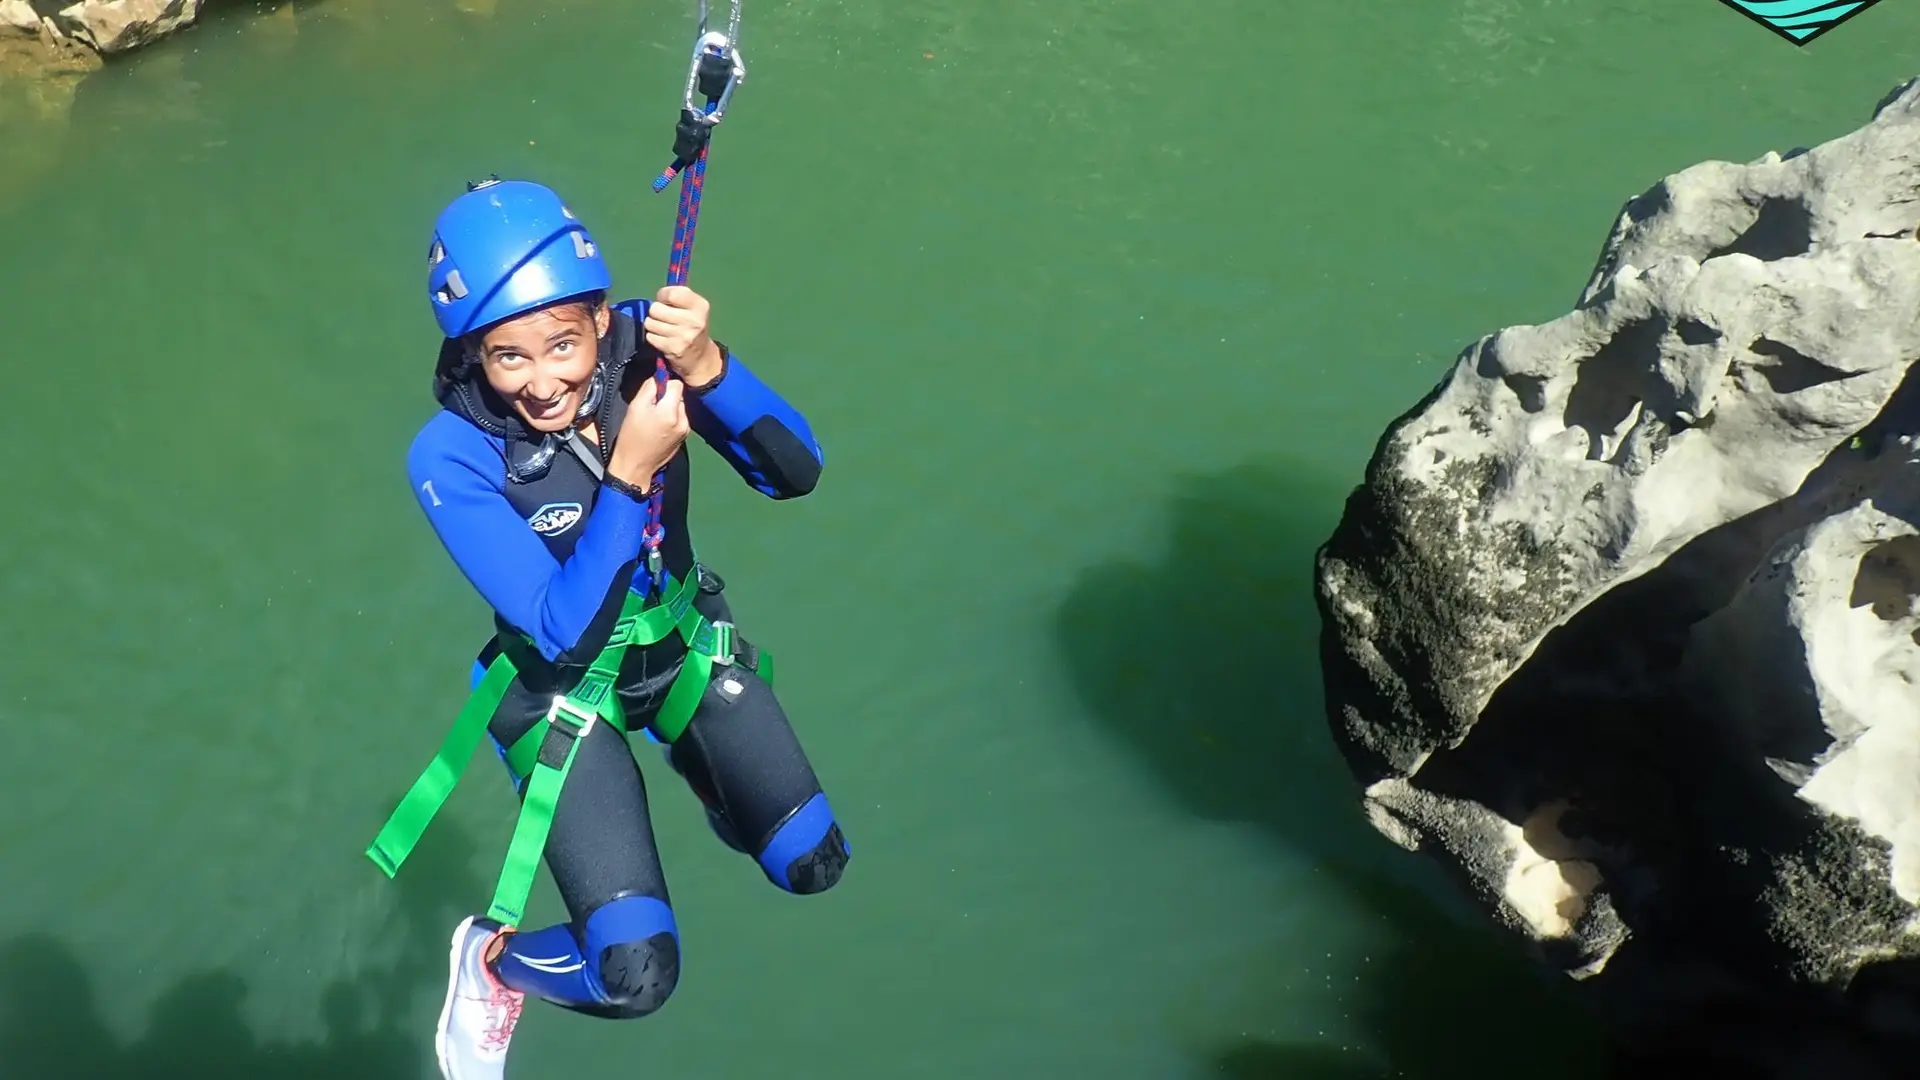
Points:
[[723, 643], [577, 722]]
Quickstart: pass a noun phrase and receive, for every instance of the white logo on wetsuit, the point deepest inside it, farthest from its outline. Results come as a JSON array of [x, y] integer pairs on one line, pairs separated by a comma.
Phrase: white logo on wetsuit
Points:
[[555, 518]]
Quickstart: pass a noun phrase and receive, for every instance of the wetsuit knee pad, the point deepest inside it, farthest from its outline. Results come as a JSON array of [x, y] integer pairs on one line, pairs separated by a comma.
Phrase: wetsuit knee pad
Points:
[[639, 976], [636, 945], [807, 853]]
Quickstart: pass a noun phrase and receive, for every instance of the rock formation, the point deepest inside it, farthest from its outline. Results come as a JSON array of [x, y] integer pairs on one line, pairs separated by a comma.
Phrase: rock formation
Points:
[[1622, 627], [45, 53], [103, 26], [116, 26]]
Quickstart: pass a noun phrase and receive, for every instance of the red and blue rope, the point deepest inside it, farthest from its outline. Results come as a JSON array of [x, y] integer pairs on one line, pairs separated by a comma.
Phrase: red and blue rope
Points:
[[692, 182]]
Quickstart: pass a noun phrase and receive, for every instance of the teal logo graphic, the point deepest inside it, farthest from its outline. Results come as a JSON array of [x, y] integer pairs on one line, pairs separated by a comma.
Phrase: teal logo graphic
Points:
[[1799, 21]]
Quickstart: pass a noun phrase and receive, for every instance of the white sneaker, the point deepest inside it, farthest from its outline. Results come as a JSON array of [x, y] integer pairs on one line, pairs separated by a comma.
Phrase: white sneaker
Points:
[[478, 1018]]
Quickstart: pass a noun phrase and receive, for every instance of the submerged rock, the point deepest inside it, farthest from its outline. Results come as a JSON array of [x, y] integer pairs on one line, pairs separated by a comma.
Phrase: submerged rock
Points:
[[1621, 625], [39, 75], [40, 71]]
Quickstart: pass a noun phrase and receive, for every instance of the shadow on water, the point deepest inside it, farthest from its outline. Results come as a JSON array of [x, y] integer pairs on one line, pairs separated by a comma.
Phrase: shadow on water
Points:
[[53, 1012], [1206, 662], [1433, 1000]]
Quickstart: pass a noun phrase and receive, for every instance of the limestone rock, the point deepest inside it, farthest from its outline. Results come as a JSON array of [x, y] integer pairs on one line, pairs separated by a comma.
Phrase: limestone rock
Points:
[[116, 26], [18, 19], [1620, 625], [1817, 660]]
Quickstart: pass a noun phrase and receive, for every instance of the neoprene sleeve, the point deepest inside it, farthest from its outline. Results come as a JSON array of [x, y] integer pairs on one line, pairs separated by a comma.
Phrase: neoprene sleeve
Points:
[[458, 474]]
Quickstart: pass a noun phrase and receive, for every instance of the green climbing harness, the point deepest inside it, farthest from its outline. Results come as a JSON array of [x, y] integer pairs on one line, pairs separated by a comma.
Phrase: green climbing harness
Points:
[[544, 755]]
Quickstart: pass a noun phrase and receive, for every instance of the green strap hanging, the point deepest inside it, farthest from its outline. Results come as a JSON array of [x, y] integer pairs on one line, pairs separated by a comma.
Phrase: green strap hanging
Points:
[[569, 720], [429, 793], [544, 755]]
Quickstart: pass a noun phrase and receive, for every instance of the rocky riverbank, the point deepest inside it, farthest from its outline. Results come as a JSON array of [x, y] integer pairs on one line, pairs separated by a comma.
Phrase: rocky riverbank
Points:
[[52, 66], [45, 50], [99, 27], [1623, 626]]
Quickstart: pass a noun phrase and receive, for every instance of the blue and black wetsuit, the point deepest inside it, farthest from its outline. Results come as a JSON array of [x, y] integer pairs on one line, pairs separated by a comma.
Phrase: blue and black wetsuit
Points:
[[554, 551]]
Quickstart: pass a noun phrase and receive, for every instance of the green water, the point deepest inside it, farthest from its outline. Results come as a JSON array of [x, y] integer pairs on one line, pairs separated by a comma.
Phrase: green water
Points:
[[1098, 310]]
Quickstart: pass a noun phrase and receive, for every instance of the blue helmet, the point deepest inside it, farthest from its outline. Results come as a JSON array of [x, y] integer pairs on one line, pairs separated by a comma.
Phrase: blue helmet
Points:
[[505, 247]]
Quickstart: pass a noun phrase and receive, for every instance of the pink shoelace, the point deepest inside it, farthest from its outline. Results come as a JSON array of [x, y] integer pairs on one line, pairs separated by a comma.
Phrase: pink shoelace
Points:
[[503, 1015]]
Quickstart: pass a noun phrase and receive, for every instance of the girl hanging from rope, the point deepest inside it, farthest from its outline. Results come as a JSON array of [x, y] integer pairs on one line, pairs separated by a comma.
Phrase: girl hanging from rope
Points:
[[556, 477]]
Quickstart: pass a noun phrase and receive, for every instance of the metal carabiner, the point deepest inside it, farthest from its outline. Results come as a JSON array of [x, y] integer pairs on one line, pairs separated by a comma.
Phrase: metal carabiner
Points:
[[733, 20], [713, 45]]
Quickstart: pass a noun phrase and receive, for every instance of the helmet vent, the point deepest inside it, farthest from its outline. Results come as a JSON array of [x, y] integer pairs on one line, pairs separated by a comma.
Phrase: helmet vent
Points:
[[436, 254], [455, 289], [582, 247]]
